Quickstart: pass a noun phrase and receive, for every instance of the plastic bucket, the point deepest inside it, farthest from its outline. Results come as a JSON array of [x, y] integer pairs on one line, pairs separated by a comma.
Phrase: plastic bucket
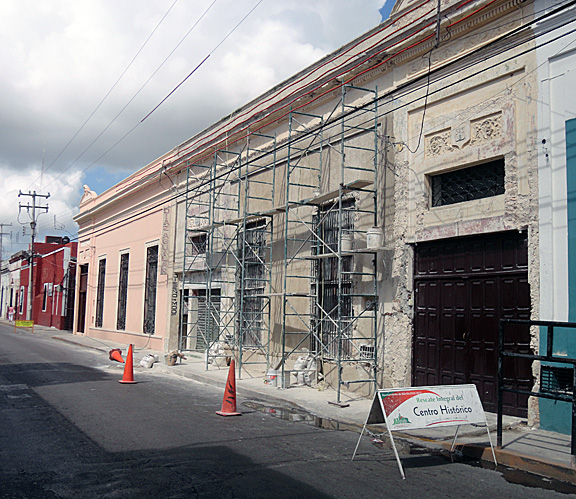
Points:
[[347, 243], [272, 377], [374, 238]]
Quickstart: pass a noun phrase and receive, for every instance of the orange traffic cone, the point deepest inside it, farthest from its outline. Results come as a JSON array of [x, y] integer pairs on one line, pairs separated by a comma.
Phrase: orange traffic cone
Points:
[[229, 402], [116, 354], [128, 368]]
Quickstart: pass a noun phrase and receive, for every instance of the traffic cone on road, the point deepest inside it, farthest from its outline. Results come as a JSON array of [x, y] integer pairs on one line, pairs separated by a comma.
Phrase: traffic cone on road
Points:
[[128, 368], [229, 402], [116, 354]]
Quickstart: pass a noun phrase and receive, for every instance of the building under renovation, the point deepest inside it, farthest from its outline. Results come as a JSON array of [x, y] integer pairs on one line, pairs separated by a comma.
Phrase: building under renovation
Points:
[[366, 223]]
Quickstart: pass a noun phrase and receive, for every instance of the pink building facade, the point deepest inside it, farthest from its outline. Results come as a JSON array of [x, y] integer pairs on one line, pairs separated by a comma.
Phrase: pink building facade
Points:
[[123, 288]]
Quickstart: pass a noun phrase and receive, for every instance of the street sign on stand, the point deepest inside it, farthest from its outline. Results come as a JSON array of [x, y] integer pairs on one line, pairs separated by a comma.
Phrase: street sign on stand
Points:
[[24, 324], [426, 407]]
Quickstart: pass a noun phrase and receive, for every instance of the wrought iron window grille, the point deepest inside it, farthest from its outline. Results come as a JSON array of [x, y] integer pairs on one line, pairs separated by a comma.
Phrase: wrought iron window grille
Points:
[[150, 290], [122, 292], [467, 184], [100, 293]]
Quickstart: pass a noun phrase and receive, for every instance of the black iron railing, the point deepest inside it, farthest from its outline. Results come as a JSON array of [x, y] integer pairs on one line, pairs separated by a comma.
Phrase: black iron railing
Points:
[[556, 387]]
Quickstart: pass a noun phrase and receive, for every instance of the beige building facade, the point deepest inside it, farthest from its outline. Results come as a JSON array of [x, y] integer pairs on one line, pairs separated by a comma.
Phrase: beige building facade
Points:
[[365, 223]]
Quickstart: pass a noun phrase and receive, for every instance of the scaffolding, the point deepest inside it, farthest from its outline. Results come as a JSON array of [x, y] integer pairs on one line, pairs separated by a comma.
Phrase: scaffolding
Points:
[[321, 205], [330, 289], [197, 325], [255, 239], [225, 296]]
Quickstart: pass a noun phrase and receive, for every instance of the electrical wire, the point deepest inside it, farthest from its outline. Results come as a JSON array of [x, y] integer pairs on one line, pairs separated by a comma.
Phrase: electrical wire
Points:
[[142, 213], [295, 93], [331, 60], [128, 103], [291, 109], [508, 34], [142, 87], [412, 91], [362, 62], [247, 112], [425, 105], [113, 86], [334, 77], [222, 41]]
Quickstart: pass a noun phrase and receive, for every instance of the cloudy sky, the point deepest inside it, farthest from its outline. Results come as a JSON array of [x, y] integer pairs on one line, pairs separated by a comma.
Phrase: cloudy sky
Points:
[[78, 77]]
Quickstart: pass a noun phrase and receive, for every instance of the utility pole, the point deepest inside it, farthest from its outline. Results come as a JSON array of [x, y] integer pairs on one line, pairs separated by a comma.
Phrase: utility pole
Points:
[[34, 206], [2, 233]]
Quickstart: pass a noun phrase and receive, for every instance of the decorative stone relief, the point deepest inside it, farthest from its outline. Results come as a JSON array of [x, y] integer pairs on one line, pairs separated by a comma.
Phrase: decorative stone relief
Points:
[[461, 135], [88, 195], [438, 143], [85, 251], [471, 133], [486, 129]]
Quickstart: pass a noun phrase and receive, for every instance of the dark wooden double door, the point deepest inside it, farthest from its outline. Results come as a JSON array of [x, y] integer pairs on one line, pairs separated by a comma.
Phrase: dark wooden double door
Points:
[[463, 287]]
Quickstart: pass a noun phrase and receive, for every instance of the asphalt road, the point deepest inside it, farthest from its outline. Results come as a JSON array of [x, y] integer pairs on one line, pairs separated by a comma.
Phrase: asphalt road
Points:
[[69, 429]]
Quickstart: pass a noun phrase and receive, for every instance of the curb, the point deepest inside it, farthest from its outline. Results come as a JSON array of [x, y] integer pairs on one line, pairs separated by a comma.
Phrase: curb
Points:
[[516, 460], [77, 344], [244, 392]]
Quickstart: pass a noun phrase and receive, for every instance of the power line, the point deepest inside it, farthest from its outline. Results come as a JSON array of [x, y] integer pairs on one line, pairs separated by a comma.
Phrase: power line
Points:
[[322, 65], [515, 31], [338, 118], [427, 76], [127, 104], [213, 50], [358, 63], [203, 61], [142, 87], [114, 85], [176, 88]]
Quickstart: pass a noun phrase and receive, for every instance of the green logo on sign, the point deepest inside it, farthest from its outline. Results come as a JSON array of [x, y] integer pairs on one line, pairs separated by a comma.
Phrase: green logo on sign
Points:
[[401, 420]]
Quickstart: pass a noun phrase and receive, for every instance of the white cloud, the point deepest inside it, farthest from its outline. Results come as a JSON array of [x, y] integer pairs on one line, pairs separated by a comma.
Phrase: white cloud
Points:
[[62, 205], [61, 57]]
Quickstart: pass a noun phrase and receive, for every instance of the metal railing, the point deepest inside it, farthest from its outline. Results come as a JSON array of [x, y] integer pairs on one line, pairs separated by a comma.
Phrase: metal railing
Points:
[[562, 395]]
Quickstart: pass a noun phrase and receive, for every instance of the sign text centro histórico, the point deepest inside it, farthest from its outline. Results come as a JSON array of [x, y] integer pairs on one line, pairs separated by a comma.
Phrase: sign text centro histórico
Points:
[[431, 406]]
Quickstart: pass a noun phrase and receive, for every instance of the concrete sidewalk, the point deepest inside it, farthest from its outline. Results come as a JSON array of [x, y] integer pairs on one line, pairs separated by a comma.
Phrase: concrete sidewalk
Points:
[[532, 450]]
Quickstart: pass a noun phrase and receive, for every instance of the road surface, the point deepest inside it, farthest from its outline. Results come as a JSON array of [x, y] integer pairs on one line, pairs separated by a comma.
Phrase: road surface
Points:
[[69, 429]]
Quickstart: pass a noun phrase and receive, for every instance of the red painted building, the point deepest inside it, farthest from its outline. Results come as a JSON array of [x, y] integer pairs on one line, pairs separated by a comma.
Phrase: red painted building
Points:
[[54, 283]]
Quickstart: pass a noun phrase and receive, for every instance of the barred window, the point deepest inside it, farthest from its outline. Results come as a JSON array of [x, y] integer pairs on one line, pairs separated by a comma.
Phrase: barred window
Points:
[[100, 292], [122, 292], [251, 284], [557, 380], [150, 289], [476, 182], [334, 302], [198, 245]]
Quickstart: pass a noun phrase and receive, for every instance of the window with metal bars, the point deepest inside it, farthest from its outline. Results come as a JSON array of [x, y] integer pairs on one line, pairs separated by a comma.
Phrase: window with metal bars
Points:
[[475, 182], [557, 380], [208, 329], [197, 245], [122, 292], [251, 281], [150, 289], [45, 297], [100, 293], [333, 306]]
